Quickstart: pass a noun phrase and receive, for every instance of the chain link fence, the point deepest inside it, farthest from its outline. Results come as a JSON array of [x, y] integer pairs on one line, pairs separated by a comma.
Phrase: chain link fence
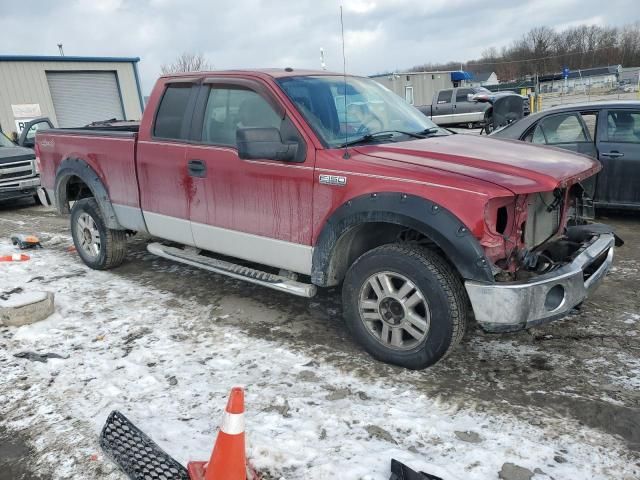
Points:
[[623, 92]]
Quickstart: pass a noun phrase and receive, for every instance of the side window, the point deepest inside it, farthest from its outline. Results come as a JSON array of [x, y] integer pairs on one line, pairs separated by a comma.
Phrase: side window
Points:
[[623, 126], [170, 116], [559, 129], [590, 119], [445, 96], [461, 95], [229, 109]]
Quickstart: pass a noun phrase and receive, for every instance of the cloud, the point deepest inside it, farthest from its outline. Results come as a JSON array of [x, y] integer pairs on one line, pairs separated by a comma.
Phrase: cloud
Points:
[[380, 35]]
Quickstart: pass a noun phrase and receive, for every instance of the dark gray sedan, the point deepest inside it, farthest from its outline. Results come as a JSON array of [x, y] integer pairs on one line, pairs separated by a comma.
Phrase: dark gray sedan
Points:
[[608, 131]]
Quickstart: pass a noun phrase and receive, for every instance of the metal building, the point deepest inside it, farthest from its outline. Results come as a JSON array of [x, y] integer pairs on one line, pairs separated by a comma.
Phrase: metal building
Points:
[[71, 91], [417, 88]]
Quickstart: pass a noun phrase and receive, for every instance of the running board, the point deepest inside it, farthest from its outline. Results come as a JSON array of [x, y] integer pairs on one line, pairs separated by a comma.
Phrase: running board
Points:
[[233, 270]]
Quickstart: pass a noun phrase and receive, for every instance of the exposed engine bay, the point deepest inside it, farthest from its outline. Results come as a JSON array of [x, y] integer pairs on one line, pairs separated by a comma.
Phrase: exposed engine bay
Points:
[[526, 235]]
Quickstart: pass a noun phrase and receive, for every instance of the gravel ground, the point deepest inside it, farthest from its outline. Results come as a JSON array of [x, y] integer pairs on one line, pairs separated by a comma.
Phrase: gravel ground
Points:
[[576, 379]]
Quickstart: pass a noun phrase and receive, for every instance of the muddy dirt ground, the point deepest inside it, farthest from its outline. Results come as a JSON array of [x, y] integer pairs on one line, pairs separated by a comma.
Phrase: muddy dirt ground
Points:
[[584, 368]]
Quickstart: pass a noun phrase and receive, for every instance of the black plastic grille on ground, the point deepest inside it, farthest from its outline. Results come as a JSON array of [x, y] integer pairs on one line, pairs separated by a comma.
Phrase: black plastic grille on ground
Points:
[[399, 471], [136, 454]]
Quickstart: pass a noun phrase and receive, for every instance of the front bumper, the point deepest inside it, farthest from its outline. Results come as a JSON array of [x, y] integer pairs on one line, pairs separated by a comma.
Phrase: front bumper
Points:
[[512, 306], [19, 188]]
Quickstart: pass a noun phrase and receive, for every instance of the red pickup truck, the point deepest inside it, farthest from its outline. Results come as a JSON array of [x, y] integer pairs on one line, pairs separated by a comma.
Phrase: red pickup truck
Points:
[[297, 179]]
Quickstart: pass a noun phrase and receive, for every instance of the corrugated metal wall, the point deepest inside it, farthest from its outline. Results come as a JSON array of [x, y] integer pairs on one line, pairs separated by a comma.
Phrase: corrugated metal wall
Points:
[[25, 82]]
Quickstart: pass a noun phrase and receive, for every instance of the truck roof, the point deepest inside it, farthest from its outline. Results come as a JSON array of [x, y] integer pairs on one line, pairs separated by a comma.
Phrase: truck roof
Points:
[[265, 72]]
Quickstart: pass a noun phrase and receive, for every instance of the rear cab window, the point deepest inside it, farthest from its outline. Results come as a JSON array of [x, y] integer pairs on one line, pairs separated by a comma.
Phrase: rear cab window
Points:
[[170, 122]]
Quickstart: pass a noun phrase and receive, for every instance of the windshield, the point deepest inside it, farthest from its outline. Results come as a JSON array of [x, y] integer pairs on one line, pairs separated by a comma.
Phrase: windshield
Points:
[[342, 111], [5, 142]]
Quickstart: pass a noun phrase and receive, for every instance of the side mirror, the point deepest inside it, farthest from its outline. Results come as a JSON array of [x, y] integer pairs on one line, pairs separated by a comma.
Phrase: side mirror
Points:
[[264, 143]]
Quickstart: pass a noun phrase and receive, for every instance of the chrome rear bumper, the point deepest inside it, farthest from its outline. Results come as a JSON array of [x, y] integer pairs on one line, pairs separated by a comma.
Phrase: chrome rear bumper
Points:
[[511, 306]]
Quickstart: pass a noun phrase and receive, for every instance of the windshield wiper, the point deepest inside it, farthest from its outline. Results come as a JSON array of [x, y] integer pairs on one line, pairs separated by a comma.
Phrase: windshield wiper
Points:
[[427, 132], [382, 135]]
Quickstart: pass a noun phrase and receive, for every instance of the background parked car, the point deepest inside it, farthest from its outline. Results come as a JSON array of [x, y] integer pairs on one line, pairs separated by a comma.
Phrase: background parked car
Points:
[[608, 131]]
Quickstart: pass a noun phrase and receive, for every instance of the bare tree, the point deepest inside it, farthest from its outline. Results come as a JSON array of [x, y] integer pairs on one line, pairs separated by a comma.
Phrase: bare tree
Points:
[[543, 50], [187, 62]]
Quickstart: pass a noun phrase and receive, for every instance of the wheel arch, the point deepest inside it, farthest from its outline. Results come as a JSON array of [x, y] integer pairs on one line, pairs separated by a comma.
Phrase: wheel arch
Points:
[[75, 173], [346, 232]]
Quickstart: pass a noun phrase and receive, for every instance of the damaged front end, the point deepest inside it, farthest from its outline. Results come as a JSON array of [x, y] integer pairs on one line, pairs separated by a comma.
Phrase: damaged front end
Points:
[[546, 258]]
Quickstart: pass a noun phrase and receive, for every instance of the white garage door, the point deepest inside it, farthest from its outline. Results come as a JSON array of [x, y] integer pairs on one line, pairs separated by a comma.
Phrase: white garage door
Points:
[[80, 98]]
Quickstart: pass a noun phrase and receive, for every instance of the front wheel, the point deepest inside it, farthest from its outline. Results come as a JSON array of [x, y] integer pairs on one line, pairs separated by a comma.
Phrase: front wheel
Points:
[[100, 247], [405, 305]]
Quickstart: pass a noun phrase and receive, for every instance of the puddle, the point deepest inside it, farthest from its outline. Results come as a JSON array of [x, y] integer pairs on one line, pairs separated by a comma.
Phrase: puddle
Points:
[[15, 458]]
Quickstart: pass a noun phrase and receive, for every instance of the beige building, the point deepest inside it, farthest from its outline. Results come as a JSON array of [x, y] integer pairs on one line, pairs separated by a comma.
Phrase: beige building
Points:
[[418, 88], [71, 91]]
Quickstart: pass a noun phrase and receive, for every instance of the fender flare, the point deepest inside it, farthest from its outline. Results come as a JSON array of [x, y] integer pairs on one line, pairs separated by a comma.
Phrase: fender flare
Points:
[[76, 167], [430, 219]]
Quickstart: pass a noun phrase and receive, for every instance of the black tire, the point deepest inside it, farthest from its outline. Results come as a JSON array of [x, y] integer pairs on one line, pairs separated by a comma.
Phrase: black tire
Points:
[[113, 243], [439, 285], [36, 199]]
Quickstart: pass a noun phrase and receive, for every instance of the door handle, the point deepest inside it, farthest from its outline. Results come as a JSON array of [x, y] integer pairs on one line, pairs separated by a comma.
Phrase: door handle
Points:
[[197, 168], [613, 154]]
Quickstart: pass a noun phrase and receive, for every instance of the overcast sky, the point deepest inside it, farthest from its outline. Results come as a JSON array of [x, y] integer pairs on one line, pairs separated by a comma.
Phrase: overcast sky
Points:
[[381, 35]]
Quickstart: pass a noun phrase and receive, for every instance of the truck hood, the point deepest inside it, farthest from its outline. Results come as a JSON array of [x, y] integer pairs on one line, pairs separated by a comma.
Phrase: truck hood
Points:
[[520, 167], [15, 154]]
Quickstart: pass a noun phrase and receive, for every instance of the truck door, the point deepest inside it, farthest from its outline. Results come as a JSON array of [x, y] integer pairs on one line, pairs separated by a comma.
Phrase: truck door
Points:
[[443, 108], [619, 153], [168, 194], [463, 110], [258, 210]]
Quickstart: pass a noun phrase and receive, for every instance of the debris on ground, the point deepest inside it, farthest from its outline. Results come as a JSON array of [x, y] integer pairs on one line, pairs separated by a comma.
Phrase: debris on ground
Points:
[[39, 357], [399, 471], [24, 242], [19, 307], [511, 471], [471, 437]]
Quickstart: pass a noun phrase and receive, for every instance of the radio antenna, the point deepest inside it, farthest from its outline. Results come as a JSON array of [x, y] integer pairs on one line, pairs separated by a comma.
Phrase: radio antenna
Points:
[[344, 94]]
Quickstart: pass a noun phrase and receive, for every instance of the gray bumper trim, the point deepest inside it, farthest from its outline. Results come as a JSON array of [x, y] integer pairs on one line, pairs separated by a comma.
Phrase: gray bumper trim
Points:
[[513, 306]]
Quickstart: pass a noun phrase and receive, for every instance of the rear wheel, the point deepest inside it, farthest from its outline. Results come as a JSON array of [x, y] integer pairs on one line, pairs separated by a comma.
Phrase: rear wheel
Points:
[[405, 305], [100, 247]]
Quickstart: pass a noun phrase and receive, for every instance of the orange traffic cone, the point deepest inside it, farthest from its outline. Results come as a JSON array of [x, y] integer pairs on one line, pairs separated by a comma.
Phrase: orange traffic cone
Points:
[[228, 461], [16, 257]]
